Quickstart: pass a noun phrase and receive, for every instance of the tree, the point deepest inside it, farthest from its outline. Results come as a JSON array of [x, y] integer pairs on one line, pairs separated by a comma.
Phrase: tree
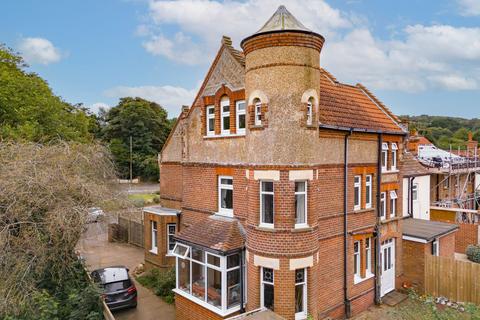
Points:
[[45, 195], [29, 110], [146, 122]]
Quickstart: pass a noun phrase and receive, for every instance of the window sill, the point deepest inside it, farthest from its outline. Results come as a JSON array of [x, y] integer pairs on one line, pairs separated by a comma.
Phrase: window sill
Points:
[[390, 171], [205, 304], [153, 251], [225, 214], [363, 210], [357, 279], [301, 227], [266, 227], [217, 136]]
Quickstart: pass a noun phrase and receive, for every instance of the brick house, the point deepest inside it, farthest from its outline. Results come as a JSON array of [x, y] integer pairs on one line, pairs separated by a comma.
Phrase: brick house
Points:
[[282, 186]]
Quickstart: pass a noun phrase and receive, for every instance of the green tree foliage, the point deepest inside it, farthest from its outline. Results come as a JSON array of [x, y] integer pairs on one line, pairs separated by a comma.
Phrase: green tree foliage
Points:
[[30, 111], [445, 131], [146, 122]]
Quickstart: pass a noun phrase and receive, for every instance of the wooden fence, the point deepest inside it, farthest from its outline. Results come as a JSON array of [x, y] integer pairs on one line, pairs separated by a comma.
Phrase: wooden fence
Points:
[[134, 231], [454, 279]]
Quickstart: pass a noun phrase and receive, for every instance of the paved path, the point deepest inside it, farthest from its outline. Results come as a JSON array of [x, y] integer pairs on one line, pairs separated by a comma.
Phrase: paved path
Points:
[[98, 252]]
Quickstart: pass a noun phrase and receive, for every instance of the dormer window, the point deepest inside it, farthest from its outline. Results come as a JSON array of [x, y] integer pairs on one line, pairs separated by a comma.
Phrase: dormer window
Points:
[[310, 111], [258, 112], [225, 114], [210, 120]]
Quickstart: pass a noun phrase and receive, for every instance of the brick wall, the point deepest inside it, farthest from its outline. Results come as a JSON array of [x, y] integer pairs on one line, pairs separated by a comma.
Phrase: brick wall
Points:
[[159, 260], [467, 234], [414, 263], [171, 188]]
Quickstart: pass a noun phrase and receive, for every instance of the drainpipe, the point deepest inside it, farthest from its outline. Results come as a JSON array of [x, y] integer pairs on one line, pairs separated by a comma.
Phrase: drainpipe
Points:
[[378, 267], [410, 197], [348, 307]]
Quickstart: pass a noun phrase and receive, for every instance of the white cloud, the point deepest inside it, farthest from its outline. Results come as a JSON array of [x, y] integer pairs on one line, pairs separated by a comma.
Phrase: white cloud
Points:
[[428, 56], [469, 7], [170, 97], [202, 24], [39, 50], [95, 107], [413, 59]]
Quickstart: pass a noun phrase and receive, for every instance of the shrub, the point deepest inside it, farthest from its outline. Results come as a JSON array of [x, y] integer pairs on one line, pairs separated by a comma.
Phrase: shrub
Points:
[[162, 283], [139, 203], [473, 253], [156, 199]]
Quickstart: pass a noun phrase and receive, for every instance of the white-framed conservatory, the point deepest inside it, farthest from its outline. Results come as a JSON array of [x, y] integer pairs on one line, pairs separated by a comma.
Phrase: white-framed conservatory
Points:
[[209, 279]]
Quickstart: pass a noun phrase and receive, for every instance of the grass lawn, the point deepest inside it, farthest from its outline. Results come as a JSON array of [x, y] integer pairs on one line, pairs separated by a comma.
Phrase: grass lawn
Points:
[[147, 197]]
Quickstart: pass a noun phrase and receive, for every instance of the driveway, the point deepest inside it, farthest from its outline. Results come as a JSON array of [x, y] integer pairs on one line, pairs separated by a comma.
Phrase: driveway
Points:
[[98, 252]]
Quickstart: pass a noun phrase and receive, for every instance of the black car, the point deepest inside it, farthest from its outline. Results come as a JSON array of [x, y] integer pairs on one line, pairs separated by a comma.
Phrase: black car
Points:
[[118, 289]]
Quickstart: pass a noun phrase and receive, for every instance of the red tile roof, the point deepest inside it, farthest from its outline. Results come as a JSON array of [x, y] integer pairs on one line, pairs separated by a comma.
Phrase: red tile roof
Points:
[[215, 232], [348, 106], [411, 167]]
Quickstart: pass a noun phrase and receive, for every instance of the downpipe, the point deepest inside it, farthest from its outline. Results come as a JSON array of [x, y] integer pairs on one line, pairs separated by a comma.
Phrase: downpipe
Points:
[[347, 302]]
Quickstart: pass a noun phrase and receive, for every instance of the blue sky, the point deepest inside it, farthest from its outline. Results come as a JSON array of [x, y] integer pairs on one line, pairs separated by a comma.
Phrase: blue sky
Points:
[[418, 57]]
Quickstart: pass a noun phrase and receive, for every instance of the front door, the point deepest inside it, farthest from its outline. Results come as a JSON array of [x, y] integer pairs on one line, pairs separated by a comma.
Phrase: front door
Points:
[[388, 266]]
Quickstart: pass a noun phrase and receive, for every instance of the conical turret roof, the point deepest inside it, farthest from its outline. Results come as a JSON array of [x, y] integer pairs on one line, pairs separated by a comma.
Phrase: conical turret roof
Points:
[[281, 20]]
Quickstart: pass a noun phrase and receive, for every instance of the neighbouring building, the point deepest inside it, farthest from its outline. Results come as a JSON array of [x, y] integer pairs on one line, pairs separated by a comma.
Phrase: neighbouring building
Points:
[[283, 186], [416, 186]]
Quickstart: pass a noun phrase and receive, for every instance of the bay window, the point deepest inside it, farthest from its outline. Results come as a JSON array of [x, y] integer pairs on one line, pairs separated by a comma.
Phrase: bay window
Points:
[[266, 203], [240, 112], [154, 236], [300, 204], [267, 292], [357, 193], [171, 229], [211, 280], [225, 196], [210, 120], [300, 293], [225, 115], [368, 191]]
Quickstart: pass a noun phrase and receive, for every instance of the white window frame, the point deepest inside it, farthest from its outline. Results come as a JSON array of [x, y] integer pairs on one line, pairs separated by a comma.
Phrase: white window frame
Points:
[[184, 256], [357, 260], [415, 188], [357, 188], [225, 101], [265, 224], [258, 112], [303, 314], [238, 114], [368, 254], [224, 211], [368, 186], [383, 208], [210, 131], [393, 203], [262, 283], [310, 112], [436, 247], [304, 224], [154, 235], [222, 310], [169, 252], [394, 156], [384, 157]]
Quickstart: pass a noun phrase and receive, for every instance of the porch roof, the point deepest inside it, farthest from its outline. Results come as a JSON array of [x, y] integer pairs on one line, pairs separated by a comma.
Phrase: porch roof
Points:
[[426, 229], [216, 233]]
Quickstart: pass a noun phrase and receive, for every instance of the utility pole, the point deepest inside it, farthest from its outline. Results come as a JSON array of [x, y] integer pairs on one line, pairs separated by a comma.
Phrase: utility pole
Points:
[[131, 160]]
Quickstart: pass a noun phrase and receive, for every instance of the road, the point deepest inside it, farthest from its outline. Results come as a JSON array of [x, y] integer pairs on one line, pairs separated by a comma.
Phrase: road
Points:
[[140, 188], [98, 252]]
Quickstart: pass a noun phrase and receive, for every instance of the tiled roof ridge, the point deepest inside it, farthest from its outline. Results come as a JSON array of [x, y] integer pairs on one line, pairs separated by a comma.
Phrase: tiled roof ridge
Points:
[[329, 76], [379, 103]]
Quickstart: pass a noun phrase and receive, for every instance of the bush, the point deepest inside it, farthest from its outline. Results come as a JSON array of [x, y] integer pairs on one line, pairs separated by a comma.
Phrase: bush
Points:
[[139, 203], [473, 253], [156, 199], [162, 283]]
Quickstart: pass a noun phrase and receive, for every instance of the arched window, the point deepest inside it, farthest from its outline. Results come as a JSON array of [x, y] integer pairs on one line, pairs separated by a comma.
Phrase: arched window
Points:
[[225, 114], [310, 105], [258, 111]]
